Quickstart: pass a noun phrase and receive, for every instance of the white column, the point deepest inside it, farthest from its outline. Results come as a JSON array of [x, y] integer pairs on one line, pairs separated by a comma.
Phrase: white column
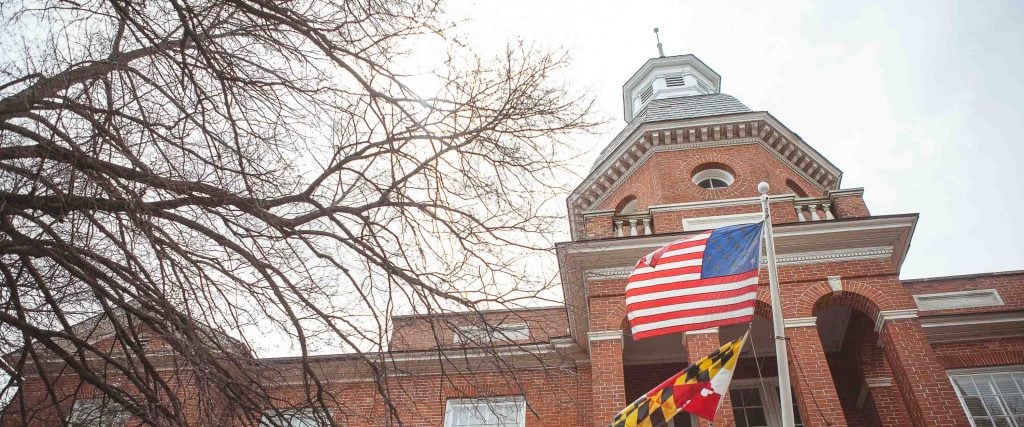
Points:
[[632, 227], [827, 207]]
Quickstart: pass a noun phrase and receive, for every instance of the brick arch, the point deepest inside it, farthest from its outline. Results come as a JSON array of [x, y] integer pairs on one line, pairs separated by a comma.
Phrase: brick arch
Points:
[[763, 303], [866, 300]]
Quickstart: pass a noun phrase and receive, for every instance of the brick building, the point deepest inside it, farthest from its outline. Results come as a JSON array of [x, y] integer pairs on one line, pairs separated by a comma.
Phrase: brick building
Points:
[[866, 347]]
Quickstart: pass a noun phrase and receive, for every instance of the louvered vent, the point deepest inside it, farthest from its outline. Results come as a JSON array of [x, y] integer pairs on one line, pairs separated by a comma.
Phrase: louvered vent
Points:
[[646, 94], [675, 80]]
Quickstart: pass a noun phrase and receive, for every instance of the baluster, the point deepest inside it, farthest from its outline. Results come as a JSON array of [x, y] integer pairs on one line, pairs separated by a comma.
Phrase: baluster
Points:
[[618, 227], [647, 226], [827, 207], [814, 212], [800, 213], [632, 227]]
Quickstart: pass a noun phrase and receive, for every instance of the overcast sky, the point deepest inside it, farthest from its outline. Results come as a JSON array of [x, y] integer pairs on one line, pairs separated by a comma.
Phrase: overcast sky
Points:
[[920, 104]]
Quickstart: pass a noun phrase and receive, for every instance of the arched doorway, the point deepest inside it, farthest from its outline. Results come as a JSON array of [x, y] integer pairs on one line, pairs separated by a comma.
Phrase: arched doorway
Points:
[[857, 363]]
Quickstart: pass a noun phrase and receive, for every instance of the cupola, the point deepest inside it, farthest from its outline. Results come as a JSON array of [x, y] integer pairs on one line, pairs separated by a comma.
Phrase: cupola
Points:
[[668, 77]]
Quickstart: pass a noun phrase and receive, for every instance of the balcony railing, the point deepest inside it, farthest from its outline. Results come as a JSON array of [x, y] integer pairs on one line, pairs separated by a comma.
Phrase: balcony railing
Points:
[[633, 225], [813, 209]]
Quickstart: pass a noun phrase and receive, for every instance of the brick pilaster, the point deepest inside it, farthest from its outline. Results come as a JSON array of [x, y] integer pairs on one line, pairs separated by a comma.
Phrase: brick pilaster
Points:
[[812, 380], [888, 403], [609, 391], [922, 381], [698, 345]]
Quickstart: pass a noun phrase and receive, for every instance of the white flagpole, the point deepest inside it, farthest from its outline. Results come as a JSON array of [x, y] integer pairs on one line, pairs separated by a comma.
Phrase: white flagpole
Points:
[[781, 356]]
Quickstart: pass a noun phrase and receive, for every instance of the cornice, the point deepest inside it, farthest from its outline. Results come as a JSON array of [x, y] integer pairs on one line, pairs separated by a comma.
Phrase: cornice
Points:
[[831, 256]]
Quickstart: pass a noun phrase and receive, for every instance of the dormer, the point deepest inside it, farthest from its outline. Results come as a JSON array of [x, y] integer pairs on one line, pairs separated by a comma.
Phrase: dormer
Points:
[[668, 77]]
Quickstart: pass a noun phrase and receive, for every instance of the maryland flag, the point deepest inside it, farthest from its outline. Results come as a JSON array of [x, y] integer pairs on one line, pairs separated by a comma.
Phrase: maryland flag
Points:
[[698, 389]]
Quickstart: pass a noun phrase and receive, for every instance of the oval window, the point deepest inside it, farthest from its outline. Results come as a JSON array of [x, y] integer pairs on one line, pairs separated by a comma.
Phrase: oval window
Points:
[[713, 178]]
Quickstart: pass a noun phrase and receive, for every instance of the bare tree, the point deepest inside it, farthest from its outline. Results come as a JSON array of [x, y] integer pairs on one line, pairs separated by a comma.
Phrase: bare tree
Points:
[[212, 172]]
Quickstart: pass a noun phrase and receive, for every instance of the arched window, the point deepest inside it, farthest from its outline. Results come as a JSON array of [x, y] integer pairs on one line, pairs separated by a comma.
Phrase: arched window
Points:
[[795, 188], [627, 206], [713, 176]]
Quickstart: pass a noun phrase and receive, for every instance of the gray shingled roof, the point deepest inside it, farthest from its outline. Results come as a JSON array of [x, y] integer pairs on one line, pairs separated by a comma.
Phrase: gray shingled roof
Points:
[[686, 107]]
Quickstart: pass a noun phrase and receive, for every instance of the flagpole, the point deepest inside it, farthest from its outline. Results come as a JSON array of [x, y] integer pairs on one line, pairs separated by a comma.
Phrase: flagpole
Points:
[[781, 356]]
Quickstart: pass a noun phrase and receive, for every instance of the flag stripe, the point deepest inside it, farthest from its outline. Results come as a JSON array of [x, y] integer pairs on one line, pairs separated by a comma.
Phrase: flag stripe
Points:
[[693, 290], [688, 260], [743, 312], [691, 327], [667, 276], [685, 249], [721, 306], [686, 303]]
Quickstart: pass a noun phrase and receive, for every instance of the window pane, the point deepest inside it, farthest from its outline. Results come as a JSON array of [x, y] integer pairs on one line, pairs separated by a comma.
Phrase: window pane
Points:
[[755, 417], [992, 404], [982, 422], [754, 398], [487, 412], [1015, 403], [741, 420], [974, 406]]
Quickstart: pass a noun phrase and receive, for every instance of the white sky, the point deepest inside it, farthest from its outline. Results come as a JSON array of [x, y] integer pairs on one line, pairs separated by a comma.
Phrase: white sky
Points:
[[919, 104]]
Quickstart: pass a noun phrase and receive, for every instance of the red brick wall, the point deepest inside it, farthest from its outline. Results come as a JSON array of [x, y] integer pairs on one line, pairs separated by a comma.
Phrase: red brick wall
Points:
[[921, 378], [554, 396], [1010, 286], [812, 381], [607, 381], [666, 177], [970, 354], [640, 379]]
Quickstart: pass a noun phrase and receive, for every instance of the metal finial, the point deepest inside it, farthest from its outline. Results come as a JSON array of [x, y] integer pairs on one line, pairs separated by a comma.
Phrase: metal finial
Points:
[[661, 53]]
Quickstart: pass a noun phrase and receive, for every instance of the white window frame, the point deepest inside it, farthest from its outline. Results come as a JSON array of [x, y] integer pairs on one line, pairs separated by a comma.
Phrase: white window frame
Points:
[[483, 404], [769, 397], [111, 413], [714, 173], [994, 370], [513, 332], [305, 415]]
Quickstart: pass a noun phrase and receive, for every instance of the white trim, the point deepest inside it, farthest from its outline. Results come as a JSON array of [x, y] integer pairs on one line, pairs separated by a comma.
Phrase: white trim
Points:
[[878, 381], [604, 335], [958, 299], [835, 282], [829, 256], [798, 322], [986, 370], [887, 315], [713, 330], [712, 222], [976, 319]]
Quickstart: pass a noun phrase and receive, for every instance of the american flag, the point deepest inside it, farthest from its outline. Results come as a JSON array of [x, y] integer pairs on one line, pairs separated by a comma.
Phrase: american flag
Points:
[[700, 281]]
